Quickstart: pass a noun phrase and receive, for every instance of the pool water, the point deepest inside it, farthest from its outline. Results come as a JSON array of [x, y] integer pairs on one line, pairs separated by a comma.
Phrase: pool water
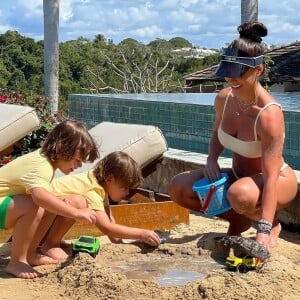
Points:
[[288, 100]]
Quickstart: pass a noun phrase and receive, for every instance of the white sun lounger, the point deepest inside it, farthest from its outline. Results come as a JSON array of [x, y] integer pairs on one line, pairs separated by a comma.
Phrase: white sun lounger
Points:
[[144, 143], [16, 121]]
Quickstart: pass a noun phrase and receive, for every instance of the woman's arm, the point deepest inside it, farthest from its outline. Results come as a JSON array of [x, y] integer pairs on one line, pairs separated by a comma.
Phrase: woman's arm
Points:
[[271, 131], [212, 169]]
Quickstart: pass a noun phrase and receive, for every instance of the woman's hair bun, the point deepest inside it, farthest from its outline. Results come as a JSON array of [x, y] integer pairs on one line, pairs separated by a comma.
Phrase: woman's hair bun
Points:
[[253, 31]]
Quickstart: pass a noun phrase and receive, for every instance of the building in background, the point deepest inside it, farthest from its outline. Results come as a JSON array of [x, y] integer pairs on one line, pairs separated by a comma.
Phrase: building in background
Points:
[[283, 75]]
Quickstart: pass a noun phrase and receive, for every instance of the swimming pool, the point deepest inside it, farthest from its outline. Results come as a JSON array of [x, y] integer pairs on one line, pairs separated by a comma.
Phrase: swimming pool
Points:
[[185, 119], [288, 100]]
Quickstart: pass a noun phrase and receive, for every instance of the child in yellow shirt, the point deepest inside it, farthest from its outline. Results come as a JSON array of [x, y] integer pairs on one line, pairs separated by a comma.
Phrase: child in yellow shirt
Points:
[[25, 201], [112, 178]]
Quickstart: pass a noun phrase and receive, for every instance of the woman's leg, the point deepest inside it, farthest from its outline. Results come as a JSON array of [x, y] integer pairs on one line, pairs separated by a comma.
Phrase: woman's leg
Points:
[[245, 193], [286, 190], [24, 216], [181, 192], [237, 223], [245, 196], [180, 189]]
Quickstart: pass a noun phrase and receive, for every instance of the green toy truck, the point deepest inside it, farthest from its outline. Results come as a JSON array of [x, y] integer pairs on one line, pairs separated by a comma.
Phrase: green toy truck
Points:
[[87, 244]]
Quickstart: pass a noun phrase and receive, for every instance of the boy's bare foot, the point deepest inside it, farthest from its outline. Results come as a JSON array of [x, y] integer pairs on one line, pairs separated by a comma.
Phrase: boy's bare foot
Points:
[[22, 270], [55, 253], [40, 259], [65, 245], [275, 231]]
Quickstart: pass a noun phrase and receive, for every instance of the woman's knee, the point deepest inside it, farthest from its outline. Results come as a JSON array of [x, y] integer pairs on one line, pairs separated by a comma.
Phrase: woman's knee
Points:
[[242, 197], [182, 183], [175, 187], [175, 190], [180, 193]]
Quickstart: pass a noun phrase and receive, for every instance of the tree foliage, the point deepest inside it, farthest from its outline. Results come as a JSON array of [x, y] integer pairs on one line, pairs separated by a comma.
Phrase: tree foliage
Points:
[[179, 42], [90, 65]]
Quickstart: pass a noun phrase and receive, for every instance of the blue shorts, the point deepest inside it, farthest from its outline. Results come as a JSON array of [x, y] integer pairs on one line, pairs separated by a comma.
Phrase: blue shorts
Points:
[[3, 210]]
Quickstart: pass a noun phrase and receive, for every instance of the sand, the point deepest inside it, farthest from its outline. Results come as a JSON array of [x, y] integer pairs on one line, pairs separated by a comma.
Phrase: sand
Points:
[[84, 277]]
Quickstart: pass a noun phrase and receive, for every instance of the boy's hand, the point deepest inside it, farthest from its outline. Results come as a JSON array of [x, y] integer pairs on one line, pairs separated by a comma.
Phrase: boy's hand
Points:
[[86, 214], [150, 237]]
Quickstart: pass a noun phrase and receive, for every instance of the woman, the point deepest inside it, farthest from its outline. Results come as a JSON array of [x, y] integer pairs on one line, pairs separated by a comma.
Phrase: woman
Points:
[[250, 123]]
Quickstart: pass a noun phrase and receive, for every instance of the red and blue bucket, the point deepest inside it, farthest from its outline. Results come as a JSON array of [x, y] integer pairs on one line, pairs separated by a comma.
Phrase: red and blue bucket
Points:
[[212, 195]]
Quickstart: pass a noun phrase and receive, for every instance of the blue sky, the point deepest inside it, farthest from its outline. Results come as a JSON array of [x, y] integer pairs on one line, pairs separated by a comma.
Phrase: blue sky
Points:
[[205, 23]]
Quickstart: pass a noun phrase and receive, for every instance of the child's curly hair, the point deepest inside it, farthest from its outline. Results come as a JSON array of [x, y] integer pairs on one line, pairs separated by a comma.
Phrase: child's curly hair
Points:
[[68, 137], [120, 166]]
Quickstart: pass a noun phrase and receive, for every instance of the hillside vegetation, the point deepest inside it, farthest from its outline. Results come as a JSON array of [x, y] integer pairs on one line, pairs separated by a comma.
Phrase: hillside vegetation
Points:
[[97, 66]]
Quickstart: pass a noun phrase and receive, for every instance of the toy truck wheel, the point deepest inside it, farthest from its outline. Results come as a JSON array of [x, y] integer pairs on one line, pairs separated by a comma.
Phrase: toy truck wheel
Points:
[[242, 268], [74, 253], [95, 254]]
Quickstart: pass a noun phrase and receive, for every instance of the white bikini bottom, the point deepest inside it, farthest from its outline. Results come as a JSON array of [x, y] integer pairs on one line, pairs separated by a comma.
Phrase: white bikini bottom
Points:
[[284, 165]]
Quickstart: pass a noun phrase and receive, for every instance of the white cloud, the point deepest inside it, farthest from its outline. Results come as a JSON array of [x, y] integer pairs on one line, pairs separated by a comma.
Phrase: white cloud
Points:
[[66, 10], [183, 16], [188, 3], [209, 23], [151, 31], [30, 5], [4, 28], [141, 14]]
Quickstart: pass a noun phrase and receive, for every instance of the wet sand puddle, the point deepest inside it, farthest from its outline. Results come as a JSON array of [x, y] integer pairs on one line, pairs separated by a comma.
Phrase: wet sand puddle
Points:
[[166, 271]]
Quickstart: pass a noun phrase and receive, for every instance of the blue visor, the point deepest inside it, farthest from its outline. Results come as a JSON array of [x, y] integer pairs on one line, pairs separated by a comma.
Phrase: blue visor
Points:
[[234, 66]]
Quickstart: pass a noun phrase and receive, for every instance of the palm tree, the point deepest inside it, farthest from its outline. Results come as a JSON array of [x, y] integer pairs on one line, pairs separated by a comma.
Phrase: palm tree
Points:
[[249, 11], [51, 52]]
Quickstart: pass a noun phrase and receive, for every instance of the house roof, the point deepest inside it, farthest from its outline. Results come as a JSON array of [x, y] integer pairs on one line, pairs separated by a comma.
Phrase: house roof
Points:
[[286, 66], [207, 74]]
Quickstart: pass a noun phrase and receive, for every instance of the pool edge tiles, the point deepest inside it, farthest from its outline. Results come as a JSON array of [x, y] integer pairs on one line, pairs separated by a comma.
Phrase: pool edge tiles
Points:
[[186, 126]]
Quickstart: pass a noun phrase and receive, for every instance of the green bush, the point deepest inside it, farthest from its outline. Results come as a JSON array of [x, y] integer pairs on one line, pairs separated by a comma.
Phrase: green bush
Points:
[[35, 139]]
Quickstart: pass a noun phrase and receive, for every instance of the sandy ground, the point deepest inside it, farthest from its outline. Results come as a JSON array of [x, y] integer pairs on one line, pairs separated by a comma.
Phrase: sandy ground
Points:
[[87, 278]]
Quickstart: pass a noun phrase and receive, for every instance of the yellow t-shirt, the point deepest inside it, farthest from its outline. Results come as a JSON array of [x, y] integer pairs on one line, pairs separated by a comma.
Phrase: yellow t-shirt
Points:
[[84, 184], [22, 174]]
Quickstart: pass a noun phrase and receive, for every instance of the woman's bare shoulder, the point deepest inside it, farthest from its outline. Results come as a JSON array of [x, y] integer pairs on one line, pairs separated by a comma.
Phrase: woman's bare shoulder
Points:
[[223, 93], [221, 97]]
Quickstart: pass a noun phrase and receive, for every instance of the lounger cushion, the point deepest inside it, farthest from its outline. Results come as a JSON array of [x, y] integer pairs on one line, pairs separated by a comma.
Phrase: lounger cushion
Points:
[[16, 121], [144, 143]]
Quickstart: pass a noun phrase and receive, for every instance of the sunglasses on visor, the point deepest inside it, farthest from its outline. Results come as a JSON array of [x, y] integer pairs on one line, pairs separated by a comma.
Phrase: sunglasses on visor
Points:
[[234, 66]]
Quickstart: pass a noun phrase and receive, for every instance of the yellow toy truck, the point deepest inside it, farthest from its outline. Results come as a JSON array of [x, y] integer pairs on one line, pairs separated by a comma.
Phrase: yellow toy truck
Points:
[[243, 264]]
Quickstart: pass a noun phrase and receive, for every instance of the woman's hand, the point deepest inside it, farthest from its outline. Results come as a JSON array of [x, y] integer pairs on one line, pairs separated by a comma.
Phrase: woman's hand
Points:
[[265, 240], [212, 170]]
